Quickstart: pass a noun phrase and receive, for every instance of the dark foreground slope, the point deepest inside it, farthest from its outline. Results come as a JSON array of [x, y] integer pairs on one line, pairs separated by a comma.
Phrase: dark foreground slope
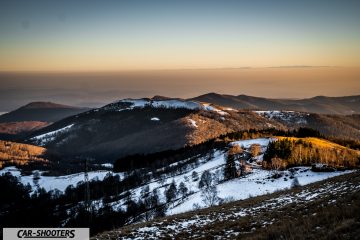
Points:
[[324, 210]]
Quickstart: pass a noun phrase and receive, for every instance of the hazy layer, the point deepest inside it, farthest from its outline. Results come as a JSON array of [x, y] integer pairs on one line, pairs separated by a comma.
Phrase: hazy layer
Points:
[[96, 89]]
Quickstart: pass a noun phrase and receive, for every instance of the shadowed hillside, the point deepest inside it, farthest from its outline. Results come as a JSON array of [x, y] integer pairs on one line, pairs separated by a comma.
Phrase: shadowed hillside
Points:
[[41, 111], [320, 104]]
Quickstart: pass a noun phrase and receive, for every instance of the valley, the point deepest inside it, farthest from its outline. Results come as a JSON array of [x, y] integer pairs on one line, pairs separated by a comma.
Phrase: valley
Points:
[[136, 120], [161, 157]]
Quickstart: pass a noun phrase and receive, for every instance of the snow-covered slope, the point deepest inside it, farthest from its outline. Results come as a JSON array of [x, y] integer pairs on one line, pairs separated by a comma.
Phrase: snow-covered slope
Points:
[[59, 182], [42, 139], [234, 221], [258, 182]]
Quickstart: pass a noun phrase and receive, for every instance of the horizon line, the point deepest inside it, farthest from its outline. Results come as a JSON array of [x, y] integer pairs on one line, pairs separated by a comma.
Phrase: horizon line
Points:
[[174, 69]]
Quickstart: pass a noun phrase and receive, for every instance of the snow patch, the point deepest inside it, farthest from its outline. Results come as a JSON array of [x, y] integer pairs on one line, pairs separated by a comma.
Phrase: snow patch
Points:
[[50, 136], [193, 123], [58, 182], [107, 165], [286, 116], [169, 104]]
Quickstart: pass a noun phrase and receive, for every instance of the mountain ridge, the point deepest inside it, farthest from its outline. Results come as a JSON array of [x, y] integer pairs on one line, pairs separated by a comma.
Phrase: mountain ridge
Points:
[[41, 111], [40, 104], [344, 105], [146, 125]]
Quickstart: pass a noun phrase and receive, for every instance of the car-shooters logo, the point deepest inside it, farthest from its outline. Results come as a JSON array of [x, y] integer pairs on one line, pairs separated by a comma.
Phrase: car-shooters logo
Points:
[[46, 233]]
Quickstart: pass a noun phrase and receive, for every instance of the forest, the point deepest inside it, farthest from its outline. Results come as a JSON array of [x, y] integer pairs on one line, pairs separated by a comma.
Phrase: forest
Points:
[[289, 152]]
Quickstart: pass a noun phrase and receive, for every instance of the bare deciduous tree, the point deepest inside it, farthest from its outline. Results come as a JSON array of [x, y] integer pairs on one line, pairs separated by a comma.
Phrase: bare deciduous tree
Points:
[[210, 196]]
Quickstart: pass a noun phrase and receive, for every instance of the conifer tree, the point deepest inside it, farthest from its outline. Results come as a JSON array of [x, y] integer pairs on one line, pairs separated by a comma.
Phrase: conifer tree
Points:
[[230, 167], [170, 193]]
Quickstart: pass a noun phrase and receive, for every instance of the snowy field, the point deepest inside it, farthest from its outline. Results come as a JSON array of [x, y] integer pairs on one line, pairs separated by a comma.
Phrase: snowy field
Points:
[[59, 182], [255, 184]]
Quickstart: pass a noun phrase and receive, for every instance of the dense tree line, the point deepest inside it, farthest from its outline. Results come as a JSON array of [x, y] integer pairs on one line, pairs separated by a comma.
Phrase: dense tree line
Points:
[[12, 153], [255, 133], [353, 144], [22, 207], [165, 158], [287, 152]]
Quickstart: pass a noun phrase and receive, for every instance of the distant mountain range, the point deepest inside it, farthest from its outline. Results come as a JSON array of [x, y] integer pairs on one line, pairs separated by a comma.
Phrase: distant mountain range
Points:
[[138, 126], [320, 104], [41, 111], [147, 125], [34, 116], [133, 126]]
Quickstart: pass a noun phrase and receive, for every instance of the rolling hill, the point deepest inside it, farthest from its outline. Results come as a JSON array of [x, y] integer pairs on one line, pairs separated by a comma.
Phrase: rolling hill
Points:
[[140, 126], [41, 111], [320, 104], [133, 126], [33, 116]]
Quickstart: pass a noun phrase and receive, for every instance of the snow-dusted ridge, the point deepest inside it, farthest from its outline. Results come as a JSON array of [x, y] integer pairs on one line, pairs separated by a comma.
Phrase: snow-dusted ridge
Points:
[[129, 104], [286, 116], [50, 136]]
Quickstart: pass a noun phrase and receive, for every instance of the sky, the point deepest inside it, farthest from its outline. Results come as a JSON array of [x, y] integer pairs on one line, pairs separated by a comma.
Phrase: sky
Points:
[[90, 52], [101, 35]]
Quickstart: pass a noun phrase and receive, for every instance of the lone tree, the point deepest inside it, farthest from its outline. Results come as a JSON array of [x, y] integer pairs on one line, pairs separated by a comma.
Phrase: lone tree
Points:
[[145, 191], [170, 193], [183, 190], [205, 180], [157, 208], [210, 196], [236, 149], [36, 179], [195, 176], [255, 150], [276, 165], [230, 170], [154, 198]]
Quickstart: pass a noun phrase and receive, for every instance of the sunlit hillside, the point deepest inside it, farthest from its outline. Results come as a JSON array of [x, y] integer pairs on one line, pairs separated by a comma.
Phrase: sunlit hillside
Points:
[[290, 151], [20, 154]]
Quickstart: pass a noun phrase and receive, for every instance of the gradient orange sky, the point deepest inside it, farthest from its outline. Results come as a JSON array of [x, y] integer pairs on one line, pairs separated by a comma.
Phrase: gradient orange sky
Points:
[[48, 35], [99, 88], [91, 52]]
